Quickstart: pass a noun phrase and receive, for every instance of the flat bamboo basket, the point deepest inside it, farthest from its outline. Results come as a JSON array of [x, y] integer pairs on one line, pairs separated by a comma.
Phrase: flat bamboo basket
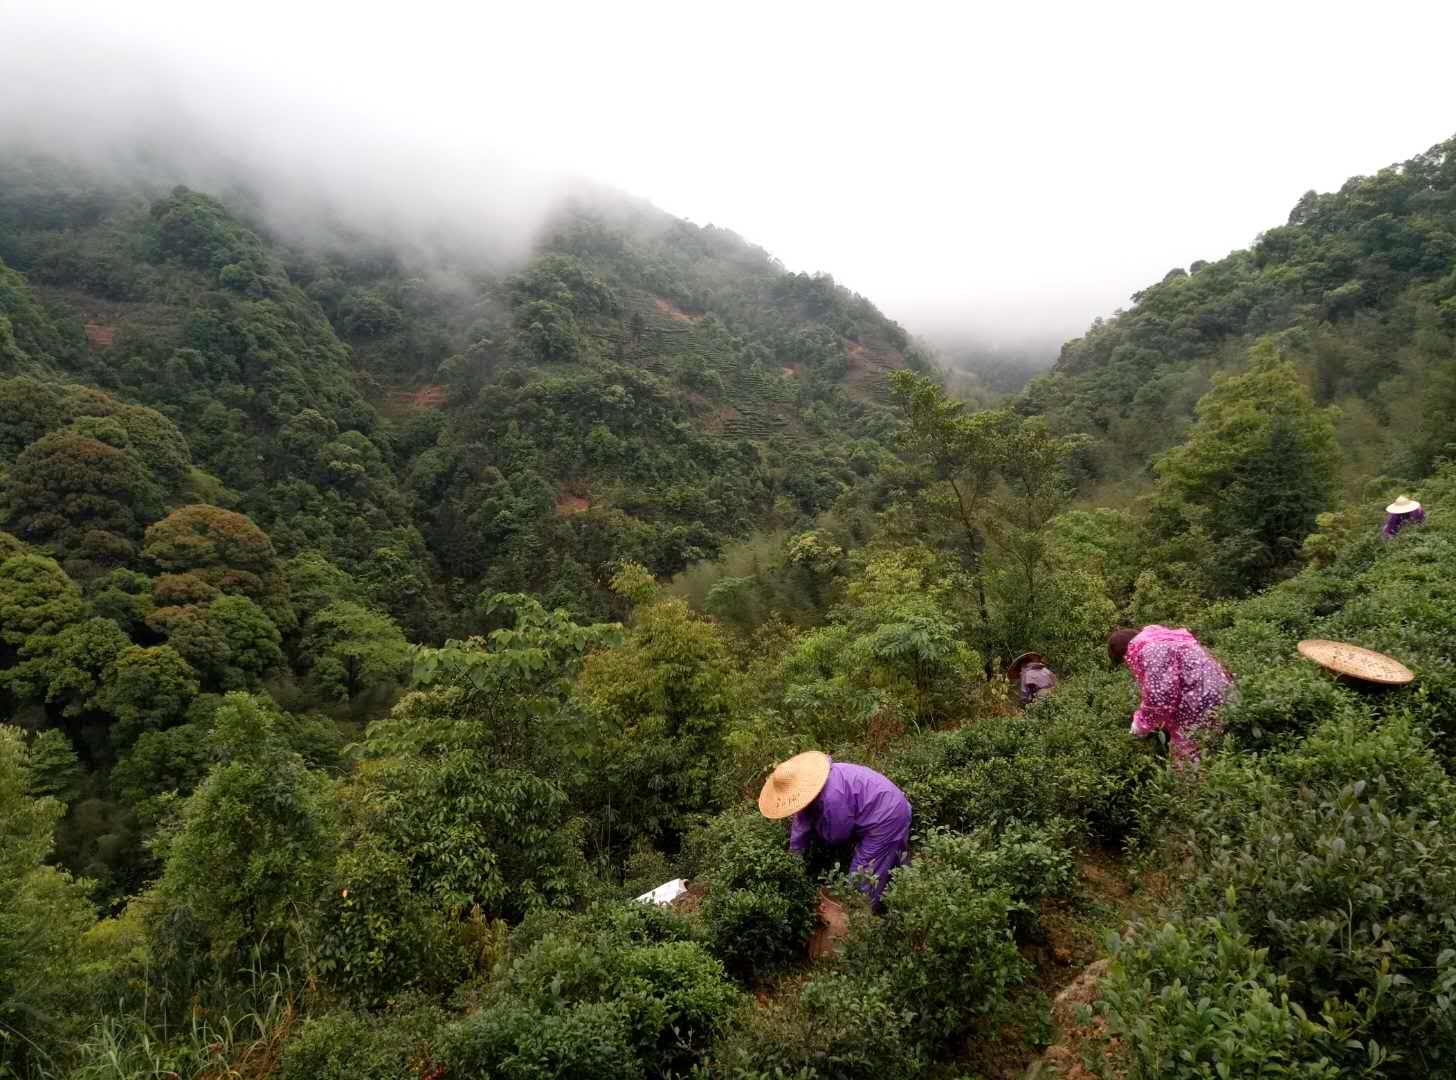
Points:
[[1356, 662]]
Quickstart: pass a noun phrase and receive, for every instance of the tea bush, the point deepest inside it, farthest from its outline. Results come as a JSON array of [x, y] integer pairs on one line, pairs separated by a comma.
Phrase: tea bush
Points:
[[356, 1046], [1280, 702], [1029, 863], [761, 905], [944, 950], [661, 998], [840, 1025], [1339, 860], [673, 995], [510, 1041], [1067, 757], [1198, 1001]]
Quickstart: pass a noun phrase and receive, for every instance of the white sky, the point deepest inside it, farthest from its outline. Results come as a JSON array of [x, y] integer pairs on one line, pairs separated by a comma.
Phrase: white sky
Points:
[[1012, 169]]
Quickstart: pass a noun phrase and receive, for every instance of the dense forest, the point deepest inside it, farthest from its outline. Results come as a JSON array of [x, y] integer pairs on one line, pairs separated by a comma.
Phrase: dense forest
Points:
[[379, 617]]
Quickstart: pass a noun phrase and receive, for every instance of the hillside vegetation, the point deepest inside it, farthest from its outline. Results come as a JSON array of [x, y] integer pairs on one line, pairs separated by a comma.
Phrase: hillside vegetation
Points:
[[374, 628]]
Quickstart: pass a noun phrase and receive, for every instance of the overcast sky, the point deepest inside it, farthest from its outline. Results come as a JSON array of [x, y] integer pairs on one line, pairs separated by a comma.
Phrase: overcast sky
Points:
[[1011, 169]]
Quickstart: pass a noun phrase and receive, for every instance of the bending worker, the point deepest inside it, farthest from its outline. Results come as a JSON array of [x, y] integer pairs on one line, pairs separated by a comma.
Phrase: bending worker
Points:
[[842, 805], [1404, 511], [1182, 684]]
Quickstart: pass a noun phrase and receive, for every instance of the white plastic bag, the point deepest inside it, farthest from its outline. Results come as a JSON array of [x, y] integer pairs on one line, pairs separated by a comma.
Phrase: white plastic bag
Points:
[[665, 893]]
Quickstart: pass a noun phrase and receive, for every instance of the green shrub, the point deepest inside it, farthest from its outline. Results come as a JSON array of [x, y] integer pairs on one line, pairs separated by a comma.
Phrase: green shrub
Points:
[[372, 935], [1067, 757], [672, 994], [944, 949], [511, 1041], [841, 1025], [627, 922], [1350, 883], [1280, 701], [761, 905], [1029, 863], [1198, 1001], [356, 1046]]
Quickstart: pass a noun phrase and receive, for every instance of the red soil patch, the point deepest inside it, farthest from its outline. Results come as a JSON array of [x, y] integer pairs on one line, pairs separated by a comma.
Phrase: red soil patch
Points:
[[668, 308], [791, 372], [426, 397], [571, 504], [100, 335]]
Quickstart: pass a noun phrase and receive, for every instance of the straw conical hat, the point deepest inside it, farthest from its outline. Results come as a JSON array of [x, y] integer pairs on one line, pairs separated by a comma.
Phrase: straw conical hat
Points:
[[1352, 660], [1403, 505], [794, 784]]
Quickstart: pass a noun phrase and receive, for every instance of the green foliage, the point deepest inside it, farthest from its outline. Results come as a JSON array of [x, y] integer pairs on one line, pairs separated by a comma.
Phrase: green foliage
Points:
[[659, 706], [839, 1025], [37, 599], [944, 949], [351, 650], [255, 841], [355, 1046], [514, 1042], [148, 689], [1351, 886], [473, 828], [1029, 863], [1067, 759], [71, 669], [55, 771], [84, 500], [373, 935], [672, 994], [1258, 467], [761, 905], [314, 583], [230, 641], [160, 762], [618, 988], [1198, 1000], [42, 912]]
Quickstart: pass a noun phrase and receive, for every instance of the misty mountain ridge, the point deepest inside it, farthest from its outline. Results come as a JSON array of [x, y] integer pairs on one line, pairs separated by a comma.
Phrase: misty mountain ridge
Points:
[[583, 397]]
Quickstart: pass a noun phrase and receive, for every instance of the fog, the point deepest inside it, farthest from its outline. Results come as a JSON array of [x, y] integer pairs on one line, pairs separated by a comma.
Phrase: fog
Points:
[[983, 175]]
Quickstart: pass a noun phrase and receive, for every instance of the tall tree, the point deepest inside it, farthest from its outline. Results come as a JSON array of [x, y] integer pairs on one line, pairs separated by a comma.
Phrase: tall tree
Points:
[[1256, 469], [257, 838], [81, 497], [350, 649]]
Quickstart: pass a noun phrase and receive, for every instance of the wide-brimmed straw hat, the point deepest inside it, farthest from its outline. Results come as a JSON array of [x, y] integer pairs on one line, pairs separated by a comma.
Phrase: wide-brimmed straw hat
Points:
[[1013, 670], [1360, 663], [794, 784], [1403, 505]]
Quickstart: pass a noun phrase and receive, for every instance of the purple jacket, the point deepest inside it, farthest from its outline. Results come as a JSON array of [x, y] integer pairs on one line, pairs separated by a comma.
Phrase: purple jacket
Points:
[[1395, 522], [858, 806]]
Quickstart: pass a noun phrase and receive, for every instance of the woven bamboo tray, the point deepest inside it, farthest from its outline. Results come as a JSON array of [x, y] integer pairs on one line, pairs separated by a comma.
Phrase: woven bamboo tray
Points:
[[1356, 662]]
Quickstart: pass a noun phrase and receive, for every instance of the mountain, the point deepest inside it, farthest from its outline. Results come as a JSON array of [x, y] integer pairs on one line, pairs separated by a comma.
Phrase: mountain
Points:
[[1358, 289], [258, 821], [434, 418]]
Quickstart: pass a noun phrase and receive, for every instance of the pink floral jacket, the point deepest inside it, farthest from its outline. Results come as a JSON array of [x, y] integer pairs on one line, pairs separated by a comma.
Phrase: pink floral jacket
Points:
[[1181, 684]]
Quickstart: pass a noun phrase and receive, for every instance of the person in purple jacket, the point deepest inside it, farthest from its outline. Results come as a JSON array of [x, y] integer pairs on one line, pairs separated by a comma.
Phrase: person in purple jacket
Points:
[[1404, 511], [842, 805]]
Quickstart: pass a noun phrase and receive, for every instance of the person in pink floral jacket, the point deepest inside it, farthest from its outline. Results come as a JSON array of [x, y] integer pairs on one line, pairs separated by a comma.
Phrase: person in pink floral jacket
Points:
[[1181, 683]]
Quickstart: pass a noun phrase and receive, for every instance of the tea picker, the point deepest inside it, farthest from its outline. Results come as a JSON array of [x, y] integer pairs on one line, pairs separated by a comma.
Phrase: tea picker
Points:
[[842, 805]]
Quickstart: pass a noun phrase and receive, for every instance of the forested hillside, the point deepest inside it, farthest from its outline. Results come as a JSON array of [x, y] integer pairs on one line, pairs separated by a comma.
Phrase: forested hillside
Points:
[[377, 621], [433, 424], [1357, 289]]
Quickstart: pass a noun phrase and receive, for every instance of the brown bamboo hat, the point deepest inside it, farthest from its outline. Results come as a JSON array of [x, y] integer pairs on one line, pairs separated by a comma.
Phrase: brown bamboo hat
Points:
[[1013, 671], [1403, 505], [1357, 662], [794, 784]]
